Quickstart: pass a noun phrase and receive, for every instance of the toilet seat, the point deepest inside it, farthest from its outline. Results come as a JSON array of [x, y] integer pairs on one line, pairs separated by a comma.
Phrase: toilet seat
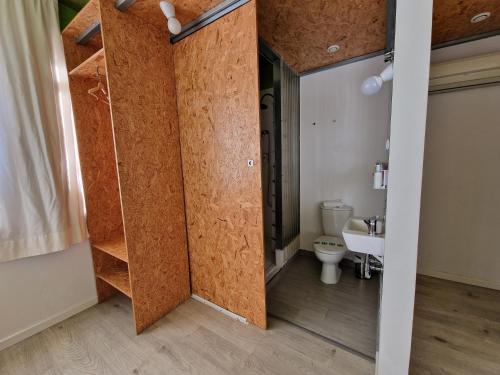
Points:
[[330, 245]]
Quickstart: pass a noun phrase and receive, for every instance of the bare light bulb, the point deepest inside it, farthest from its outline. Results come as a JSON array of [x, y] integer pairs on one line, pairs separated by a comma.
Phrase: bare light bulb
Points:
[[373, 84], [168, 9], [174, 26]]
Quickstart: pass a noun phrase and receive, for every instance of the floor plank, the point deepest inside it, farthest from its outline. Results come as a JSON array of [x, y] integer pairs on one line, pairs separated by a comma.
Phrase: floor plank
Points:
[[456, 329], [193, 339], [346, 312]]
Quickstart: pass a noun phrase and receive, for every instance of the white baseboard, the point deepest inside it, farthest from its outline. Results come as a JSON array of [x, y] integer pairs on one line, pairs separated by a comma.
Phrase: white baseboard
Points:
[[230, 314], [282, 256], [285, 254], [46, 323], [270, 273], [491, 284]]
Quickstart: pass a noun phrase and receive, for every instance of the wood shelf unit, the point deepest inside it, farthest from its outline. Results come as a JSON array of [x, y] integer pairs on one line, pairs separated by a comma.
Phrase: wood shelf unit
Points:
[[130, 158], [89, 67], [115, 247], [117, 276], [85, 17], [77, 53]]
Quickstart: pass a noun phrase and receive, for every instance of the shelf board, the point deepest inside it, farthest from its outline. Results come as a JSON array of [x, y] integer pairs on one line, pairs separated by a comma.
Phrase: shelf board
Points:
[[116, 276], [115, 247], [88, 68], [84, 18]]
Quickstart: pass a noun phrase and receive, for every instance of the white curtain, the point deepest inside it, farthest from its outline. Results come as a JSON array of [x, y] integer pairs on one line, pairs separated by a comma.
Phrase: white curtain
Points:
[[41, 204]]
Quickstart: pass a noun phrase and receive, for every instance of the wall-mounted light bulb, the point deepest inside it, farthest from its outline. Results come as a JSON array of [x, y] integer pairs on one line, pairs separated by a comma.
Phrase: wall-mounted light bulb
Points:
[[174, 26], [373, 84], [168, 9]]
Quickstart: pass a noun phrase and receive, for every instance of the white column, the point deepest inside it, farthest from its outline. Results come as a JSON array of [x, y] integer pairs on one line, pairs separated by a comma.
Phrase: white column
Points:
[[408, 119]]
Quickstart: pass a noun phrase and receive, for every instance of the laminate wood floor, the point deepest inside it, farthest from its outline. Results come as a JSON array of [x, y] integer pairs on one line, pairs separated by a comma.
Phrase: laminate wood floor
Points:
[[346, 312], [456, 329], [193, 339]]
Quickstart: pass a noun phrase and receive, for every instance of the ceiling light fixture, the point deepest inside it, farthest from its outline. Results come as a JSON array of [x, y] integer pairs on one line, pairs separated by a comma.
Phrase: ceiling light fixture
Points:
[[174, 26], [333, 49], [480, 17], [373, 84]]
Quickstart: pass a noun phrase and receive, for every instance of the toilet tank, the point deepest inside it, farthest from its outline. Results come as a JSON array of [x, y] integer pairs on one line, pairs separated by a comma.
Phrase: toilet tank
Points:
[[334, 215]]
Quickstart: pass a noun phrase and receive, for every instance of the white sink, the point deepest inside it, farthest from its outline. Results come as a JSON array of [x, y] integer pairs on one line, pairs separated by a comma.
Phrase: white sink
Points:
[[357, 239]]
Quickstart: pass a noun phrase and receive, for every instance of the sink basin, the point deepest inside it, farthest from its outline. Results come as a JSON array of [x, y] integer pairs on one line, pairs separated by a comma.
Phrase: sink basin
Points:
[[357, 239]]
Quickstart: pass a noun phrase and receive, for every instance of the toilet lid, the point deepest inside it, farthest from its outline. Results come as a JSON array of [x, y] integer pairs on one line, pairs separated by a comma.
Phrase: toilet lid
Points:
[[330, 245]]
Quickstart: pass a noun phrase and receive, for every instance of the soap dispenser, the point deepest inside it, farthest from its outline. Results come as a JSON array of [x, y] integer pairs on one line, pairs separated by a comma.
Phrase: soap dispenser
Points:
[[378, 176]]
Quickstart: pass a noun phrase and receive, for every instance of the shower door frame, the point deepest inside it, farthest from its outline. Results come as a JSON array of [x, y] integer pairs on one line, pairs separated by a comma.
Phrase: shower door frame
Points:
[[274, 59]]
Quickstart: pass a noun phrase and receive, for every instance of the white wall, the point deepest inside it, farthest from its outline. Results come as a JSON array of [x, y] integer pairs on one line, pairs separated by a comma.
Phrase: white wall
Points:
[[408, 118], [459, 51], [40, 291], [460, 198], [338, 154], [460, 193]]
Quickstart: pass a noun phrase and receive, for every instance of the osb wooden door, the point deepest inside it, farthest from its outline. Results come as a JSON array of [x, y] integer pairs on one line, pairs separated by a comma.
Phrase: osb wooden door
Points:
[[216, 73]]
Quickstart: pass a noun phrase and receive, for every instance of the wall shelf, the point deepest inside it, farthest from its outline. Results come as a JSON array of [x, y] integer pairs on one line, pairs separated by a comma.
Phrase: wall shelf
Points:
[[117, 276], [88, 68], [78, 53], [115, 247], [87, 16]]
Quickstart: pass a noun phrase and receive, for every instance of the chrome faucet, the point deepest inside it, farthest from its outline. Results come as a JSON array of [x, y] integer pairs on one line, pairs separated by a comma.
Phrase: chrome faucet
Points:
[[372, 225]]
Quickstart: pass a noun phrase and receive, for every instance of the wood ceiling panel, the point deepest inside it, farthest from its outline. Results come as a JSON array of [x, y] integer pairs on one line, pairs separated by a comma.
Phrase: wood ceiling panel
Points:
[[301, 30], [451, 19]]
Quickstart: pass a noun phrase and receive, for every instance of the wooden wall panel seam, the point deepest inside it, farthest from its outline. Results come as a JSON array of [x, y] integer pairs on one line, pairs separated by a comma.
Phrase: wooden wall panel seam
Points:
[[183, 180]]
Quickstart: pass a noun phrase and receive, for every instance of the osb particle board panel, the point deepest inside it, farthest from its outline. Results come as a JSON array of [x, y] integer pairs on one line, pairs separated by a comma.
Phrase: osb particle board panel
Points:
[[98, 165], [90, 66], [140, 74], [301, 31], [216, 72], [186, 10], [451, 19], [97, 160], [104, 290], [111, 275], [75, 53], [115, 247]]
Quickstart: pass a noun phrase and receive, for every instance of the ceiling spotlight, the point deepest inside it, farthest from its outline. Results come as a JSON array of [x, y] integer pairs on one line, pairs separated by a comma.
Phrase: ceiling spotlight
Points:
[[480, 17], [333, 49], [174, 26], [373, 84]]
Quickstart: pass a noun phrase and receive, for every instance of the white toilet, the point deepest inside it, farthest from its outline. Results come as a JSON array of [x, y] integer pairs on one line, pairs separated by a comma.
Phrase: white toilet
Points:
[[330, 248]]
